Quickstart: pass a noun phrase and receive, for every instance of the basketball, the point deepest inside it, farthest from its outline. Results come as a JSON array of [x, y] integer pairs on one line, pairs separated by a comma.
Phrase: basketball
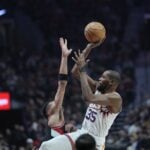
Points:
[[95, 32]]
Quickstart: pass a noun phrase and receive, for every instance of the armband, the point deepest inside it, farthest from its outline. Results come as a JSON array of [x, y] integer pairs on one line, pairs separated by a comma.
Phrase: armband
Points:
[[63, 77], [83, 69]]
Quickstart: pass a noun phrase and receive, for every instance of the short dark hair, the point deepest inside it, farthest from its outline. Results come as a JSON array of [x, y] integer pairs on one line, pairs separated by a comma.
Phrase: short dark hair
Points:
[[115, 76], [85, 142], [44, 110]]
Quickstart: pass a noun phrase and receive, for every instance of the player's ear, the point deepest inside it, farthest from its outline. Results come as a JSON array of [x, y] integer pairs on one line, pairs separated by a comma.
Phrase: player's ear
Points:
[[44, 110], [111, 82]]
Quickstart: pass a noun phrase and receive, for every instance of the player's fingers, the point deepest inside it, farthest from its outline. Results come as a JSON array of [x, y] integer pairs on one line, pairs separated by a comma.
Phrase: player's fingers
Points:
[[79, 52], [74, 60], [66, 41], [70, 50], [61, 41], [76, 55], [87, 61]]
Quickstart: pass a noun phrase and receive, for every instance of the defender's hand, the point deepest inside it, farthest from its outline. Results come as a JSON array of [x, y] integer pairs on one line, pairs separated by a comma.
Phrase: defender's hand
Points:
[[63, 44]]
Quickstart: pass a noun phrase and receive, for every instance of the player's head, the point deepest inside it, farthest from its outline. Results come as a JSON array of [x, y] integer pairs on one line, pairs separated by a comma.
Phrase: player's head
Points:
[[46, 109], [109, 80], [85, 142]]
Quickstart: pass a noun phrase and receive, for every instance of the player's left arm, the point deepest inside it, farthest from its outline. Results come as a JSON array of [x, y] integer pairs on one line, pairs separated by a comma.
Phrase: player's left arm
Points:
[[63, 74], [109, 99], [75, 71]]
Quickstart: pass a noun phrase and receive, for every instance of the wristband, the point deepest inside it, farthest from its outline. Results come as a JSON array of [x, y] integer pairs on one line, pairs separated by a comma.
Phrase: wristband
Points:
[[63, 77], [83, 69]]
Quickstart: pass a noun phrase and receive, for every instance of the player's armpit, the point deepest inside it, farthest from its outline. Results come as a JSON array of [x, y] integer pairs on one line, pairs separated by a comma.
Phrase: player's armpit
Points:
[[114, 98], [115, 101]]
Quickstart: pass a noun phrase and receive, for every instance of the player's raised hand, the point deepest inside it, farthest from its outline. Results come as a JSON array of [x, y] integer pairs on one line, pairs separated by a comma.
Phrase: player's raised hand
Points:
[[94, 45], [64, 48], [79, 59]]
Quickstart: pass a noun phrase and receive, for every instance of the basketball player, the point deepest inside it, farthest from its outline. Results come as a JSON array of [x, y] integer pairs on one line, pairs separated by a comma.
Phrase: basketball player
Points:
[[104, 106], [104, 102], [53, 110]]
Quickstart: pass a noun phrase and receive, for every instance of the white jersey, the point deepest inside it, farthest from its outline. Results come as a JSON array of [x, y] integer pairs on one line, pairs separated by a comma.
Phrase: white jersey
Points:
[[98, 120]]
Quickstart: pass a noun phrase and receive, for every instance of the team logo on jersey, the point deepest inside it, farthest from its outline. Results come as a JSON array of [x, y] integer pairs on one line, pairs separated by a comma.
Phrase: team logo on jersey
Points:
[[103, 109]]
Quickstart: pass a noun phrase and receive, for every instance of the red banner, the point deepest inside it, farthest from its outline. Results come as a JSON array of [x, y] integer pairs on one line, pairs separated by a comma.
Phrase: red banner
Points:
[[4, 101]]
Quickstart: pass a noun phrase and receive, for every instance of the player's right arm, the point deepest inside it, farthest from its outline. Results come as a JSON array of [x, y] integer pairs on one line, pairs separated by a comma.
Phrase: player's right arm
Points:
[[63, 75], [75, 72], [54, 116], [56, 104], [112, 99]]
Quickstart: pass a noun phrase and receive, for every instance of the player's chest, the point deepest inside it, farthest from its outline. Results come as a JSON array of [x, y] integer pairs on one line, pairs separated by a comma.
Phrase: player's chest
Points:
[[96, 111]]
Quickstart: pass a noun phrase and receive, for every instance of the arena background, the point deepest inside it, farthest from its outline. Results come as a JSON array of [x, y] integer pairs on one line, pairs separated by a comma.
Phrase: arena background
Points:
[[30, 57]]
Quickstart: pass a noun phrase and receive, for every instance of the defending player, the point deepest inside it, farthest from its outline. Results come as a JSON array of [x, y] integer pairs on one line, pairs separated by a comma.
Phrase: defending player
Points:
[[53, 111]]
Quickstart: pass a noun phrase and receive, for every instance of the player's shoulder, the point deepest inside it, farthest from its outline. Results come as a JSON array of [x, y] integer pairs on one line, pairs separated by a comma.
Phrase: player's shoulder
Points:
[[119, 96], [115, 96], [114, 93], [116, 101]]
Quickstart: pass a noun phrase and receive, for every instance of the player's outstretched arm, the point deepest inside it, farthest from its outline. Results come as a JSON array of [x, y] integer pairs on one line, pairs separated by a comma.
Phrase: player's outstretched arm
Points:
[[63, 74], [86, 52], [111, 99]]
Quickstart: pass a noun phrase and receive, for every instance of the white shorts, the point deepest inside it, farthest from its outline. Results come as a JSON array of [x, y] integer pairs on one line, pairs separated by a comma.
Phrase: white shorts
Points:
[[62, 142]]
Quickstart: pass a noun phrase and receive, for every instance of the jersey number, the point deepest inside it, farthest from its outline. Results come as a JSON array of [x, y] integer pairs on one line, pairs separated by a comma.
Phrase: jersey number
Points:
[[91, 115]]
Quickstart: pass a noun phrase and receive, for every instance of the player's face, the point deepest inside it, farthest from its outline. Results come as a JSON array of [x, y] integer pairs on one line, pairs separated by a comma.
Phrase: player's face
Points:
[[104, 83]]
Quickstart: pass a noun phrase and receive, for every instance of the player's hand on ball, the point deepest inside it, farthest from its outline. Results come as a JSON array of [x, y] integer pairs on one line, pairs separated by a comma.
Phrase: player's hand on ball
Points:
[[93, 45], [64, 48], [95, 32], [79, 59]]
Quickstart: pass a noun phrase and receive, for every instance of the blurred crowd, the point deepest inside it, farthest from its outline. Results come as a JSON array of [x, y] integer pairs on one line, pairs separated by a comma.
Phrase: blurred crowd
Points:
[[135, 133], [31, 76]]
